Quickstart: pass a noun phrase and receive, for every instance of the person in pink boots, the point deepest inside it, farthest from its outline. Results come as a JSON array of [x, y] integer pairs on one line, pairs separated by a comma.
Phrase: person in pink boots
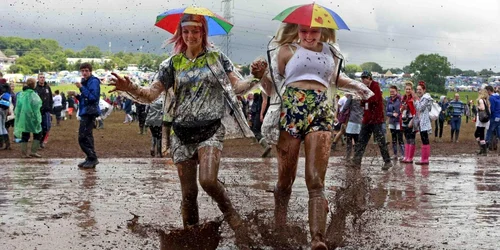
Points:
[[423, 104], [408, 112]]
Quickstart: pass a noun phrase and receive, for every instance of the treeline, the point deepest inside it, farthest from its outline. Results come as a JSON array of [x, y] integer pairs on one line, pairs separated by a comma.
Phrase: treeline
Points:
[[42, 55]]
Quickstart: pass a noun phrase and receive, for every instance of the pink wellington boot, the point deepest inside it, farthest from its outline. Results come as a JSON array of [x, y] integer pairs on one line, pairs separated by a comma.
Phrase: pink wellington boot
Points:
[[426, 152]]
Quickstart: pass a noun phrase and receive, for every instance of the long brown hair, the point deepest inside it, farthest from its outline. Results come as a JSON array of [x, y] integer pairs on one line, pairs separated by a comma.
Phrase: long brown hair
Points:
[[289, 33], [179, 44]]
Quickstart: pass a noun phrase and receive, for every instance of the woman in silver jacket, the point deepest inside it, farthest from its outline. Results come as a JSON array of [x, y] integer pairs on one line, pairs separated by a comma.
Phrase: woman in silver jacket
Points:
[[205, 84], [422, 123]]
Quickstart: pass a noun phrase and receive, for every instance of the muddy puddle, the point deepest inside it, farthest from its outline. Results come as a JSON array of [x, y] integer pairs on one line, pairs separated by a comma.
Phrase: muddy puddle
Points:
[[135, 204]]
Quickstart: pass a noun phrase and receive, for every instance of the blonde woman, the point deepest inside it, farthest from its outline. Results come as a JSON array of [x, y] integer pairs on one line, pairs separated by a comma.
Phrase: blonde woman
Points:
[[483, 104], [305, 71]]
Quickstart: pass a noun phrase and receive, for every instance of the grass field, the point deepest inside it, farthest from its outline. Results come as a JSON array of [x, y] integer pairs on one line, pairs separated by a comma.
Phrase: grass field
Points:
[[67, 87]]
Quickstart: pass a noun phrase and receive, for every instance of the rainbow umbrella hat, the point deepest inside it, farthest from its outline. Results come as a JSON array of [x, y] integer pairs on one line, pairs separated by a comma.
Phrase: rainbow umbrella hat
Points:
[[170, 19], [312, 15]]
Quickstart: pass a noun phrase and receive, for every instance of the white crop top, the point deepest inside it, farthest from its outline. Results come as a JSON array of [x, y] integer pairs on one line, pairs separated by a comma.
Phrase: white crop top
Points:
[[310, 65]]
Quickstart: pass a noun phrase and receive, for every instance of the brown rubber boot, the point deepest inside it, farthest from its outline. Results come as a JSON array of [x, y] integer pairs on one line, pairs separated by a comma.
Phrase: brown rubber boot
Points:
[[281, 199], [318, 210], [190, 215]]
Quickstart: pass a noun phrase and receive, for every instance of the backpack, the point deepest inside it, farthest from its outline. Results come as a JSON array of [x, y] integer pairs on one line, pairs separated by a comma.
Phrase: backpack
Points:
[[435, 111], [5, 101]]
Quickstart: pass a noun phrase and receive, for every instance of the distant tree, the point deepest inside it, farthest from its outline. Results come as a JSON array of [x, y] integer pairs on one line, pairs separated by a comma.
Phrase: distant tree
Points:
[[34, 61], [486, 72], [456, 71], [69, 53], [372, 67], [9, 52], [17, 68], [351, 69], [407, 69], [90, 52], [431, 68], [469, 73]]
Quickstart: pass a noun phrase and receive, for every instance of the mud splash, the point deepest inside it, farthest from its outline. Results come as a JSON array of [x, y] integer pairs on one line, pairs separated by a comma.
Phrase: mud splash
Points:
[[410, 207]]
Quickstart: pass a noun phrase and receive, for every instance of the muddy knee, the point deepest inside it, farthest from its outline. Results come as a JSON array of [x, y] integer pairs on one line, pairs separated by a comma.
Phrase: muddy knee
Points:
[[210, 185]]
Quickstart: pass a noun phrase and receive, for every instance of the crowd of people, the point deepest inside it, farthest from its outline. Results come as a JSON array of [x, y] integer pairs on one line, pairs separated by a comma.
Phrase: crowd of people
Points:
[[195, 102]]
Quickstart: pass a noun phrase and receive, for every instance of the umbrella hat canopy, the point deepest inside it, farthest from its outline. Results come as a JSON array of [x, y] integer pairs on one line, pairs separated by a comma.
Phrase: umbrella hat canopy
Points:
[[170, 19], [312, 15]]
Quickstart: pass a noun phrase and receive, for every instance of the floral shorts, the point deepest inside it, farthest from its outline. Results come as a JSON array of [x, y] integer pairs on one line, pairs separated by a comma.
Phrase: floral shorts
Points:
[[305, 111]]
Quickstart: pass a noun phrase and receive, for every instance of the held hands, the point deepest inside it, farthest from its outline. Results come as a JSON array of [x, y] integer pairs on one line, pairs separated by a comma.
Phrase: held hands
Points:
[[78, 85], [258, 68], [120, 83]]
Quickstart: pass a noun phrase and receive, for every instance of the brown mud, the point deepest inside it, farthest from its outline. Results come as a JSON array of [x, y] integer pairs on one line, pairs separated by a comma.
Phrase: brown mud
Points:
[[51, 204]]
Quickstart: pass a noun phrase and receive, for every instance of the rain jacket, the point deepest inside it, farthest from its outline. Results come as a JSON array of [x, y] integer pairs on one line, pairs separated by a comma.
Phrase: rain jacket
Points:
[[45, 94], [155, 113], [88, 100], [393, 106], [233, 119], [423, 106], [28, 116], [495, 106], [374, 114]]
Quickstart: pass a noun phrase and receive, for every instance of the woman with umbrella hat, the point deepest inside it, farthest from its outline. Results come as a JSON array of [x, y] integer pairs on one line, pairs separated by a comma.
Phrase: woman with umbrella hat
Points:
[[203, 81], [303, 69]]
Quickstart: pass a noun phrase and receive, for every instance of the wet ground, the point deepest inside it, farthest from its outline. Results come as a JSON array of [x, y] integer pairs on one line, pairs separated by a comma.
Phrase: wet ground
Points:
[[50, 204]]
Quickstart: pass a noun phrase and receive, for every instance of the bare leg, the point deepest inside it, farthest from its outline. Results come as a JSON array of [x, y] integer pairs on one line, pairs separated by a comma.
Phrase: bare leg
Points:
[[317, 154], [189, 187], [288, 155], [209, 158]]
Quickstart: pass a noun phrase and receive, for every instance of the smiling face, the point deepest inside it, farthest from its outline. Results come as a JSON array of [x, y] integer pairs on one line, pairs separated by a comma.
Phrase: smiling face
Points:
[[393, 92], [309, 37], [408, 90], [420, 91], [192, 36]]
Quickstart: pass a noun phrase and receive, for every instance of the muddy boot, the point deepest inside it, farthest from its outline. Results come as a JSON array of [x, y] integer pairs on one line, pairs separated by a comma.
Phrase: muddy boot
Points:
[[24, 150], [1, 141], [281, 199], [456, 135], [318, 210], [266, 146], [6, 141], [34, 149], [348, 152], [190, 215], [483, 150], [394, 151], [402, 150], [334, 145], [158, 148], [153, 147]]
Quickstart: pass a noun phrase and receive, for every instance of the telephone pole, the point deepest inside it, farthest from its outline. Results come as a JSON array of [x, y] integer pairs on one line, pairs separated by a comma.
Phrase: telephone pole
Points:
[[228, 16]]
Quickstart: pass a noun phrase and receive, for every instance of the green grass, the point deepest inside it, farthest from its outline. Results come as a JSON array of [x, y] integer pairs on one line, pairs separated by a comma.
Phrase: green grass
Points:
[[464, 96], [66, 87]]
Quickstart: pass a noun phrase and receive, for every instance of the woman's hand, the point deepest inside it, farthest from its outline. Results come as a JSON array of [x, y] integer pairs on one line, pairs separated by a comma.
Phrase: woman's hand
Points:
[[120, 83], [258, 68]]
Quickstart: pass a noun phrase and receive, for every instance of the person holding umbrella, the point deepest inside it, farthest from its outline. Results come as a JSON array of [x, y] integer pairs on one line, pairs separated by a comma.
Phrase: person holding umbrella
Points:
[[303, 68], [203, 81]]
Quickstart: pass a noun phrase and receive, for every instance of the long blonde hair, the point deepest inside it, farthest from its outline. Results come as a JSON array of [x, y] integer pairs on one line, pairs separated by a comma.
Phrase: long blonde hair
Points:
[[289, 33], [179, 44], [483, 95]]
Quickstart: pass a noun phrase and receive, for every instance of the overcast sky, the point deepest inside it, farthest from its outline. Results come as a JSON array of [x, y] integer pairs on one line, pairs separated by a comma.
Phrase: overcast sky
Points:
[[389, 32]]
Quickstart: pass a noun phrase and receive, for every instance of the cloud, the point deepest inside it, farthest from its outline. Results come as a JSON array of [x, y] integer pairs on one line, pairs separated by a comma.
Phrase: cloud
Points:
[[389, 32]]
